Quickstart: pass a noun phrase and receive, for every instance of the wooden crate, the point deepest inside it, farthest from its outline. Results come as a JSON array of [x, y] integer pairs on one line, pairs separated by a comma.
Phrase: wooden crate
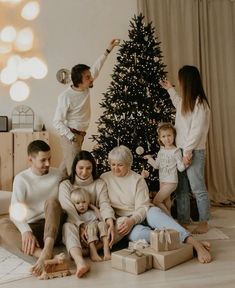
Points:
[[21, 141], [6, 161]]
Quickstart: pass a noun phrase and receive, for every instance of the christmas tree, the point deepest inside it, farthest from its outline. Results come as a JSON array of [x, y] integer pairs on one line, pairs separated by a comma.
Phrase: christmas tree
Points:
[[134, 103]]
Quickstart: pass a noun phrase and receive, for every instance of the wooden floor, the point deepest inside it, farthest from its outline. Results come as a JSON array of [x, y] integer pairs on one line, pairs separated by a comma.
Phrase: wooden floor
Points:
[[219, 273]]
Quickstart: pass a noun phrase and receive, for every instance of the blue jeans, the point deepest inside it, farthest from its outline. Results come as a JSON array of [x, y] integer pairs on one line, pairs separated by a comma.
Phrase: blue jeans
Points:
[[193, 179], [156, 218]]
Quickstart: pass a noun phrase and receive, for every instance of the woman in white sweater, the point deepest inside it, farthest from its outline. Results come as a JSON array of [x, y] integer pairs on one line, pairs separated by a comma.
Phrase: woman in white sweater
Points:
[[129, 196], [83, 176], [192, 125]]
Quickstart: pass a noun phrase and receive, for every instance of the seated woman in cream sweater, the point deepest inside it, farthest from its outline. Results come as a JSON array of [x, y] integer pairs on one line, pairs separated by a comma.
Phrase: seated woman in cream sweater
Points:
[[129, 196]]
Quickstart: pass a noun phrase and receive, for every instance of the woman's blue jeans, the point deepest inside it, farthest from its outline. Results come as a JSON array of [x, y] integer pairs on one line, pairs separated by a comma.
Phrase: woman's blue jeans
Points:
[[193, 179], [156, 219]]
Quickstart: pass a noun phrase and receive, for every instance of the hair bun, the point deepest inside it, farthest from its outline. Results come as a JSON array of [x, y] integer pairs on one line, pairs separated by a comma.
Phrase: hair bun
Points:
[[63, 76]]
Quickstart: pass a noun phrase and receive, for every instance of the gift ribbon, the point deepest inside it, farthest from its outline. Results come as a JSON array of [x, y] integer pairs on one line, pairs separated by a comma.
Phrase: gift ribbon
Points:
[[138, 254], [139, 244], [131, 251], [164, 234]]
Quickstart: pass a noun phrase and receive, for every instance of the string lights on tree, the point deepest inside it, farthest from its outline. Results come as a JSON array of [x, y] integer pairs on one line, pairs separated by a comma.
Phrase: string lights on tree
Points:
[[134, 103]]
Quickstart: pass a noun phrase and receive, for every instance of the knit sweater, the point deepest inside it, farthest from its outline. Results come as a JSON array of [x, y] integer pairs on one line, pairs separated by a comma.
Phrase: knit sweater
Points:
[[129, 195], [192, 128], [73, 108], [33, 190], [168, 161], [98, 196]]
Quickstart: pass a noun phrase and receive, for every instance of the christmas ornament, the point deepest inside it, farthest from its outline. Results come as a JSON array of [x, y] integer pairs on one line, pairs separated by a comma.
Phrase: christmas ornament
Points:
[[139, 150]]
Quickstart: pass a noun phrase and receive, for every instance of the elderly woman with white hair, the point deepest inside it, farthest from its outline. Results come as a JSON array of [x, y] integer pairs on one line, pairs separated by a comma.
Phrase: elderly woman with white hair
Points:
[[136, 217]]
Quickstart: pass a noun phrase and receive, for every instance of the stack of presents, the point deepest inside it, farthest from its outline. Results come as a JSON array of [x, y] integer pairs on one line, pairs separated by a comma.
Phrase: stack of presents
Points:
[[164, 252]]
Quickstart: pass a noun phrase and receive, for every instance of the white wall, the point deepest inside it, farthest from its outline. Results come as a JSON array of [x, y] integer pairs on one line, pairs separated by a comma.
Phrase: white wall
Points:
[[71, 32]]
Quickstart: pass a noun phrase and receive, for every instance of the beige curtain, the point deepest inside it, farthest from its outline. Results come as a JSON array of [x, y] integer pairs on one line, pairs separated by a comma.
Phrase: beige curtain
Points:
[[202, 33]]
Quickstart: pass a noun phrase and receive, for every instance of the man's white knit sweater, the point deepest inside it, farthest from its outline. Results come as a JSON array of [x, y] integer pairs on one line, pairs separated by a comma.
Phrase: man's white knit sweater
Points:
[[32, 191], [73, 109], [192, 128]]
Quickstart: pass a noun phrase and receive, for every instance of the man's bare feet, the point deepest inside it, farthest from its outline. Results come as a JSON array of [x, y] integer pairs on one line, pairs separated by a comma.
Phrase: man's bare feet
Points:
[[201, 228], [82, 269], [57, 259], [46, 254], [202, 249]]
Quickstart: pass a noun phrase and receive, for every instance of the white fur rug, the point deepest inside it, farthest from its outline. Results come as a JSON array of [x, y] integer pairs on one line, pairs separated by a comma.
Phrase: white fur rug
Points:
[[12, 267], [212, 234]]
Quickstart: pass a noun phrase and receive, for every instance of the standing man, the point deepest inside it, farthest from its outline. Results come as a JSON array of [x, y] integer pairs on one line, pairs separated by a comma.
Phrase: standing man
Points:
[[35, 212], [72, 116]]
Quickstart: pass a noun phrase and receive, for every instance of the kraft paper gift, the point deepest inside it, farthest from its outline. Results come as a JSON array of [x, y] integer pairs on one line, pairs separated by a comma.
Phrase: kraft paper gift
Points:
[[167, 259], [131, 261], [164, 240]]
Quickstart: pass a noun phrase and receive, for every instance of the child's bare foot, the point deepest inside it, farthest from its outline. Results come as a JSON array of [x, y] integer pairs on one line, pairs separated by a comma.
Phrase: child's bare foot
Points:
[[82, 269], [202, 227], [93, 253], [107, 257], [95, 257]]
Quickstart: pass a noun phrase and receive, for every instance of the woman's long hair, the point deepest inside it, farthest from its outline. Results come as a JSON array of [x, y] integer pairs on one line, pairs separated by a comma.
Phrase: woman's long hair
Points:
[[83, 155], [191, 88]]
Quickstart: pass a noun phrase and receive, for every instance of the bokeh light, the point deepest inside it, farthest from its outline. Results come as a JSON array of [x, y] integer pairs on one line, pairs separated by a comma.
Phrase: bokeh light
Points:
[[30, 11], [8, 34], [19, 91], [18, 212]]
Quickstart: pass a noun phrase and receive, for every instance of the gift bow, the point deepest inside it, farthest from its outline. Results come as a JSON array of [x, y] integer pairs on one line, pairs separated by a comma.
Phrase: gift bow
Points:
[[164, 237], [140, 244]]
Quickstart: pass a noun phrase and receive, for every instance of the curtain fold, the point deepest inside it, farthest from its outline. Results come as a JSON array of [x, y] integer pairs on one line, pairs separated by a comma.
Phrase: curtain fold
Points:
[[202, 33]]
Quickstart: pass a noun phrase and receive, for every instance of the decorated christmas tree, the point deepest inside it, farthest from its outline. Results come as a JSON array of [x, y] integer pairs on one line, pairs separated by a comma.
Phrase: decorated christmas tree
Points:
[[134, 103]]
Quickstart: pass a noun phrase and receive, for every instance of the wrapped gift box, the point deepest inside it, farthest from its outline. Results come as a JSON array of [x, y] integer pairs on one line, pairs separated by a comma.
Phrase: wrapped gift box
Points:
[[131, 261], [167, 259], [164, 240]]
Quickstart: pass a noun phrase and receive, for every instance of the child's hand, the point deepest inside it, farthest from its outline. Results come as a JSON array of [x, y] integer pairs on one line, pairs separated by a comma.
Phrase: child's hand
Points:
[[145, 173], [147, 157]]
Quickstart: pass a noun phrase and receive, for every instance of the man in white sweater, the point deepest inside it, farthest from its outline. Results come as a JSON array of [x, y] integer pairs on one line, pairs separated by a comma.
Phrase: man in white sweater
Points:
[[73, 112], [35, 212]]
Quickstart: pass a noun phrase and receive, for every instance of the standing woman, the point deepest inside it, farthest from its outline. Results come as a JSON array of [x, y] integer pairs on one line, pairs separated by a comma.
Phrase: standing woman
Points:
[[192, 125]]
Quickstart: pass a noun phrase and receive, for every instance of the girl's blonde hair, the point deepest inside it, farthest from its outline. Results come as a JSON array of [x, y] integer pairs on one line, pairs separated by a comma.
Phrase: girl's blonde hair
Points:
[[79, 195], [163, 126]]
